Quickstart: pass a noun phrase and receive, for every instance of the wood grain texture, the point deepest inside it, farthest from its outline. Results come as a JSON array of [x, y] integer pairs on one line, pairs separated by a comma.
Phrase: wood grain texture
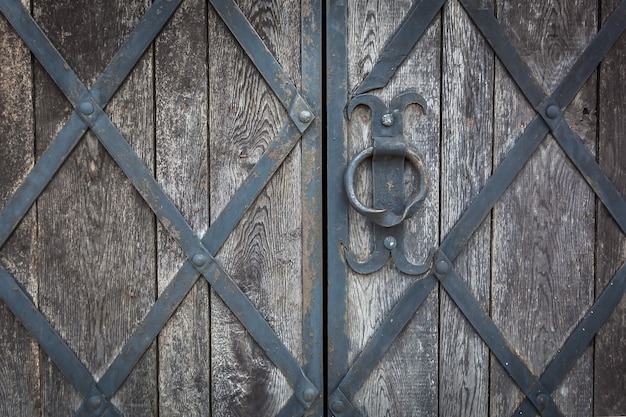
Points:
[[466, 163], [405, 381], [19, 366], [96, 237], [609, 360], [543, 227], [182, 170], [263, 254]]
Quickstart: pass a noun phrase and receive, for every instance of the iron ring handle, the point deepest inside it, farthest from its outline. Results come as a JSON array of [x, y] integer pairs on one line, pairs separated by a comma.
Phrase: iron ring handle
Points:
[[384, 217]]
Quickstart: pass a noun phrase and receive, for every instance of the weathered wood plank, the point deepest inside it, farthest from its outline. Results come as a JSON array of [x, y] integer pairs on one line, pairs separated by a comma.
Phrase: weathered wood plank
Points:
[[19, 366], [96, 238], [467, 135], [182, 170], [609, 360], [263, 254], [543, 227], [405, 382]]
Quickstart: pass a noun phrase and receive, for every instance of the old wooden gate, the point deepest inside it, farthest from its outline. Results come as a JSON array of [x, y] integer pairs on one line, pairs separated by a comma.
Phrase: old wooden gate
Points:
[[260, 208]]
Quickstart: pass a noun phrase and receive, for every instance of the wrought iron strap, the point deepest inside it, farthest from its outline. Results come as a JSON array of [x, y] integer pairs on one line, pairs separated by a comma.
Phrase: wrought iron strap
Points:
[[580, 338], [489, 332], [103, 89], [186, 277], [151, 23], [401, 43], [299, 110], [200, 253], [39, 176], [549, 108], [549, 119], [20, 303], [340, 400]]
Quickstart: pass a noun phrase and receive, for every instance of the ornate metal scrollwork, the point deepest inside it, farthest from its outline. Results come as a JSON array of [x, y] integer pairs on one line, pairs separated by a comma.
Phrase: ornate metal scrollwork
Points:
[[390, 207]]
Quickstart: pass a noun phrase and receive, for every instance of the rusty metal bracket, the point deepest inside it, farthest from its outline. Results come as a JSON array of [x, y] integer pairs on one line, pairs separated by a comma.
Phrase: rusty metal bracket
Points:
[[391, 207]]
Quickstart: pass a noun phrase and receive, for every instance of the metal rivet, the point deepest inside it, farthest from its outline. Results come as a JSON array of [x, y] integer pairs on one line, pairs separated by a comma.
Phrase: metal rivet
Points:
[[387, 119], [442, 267], [338, 406], [94, 402], [390, 242], [198, 259], [309, 394], [542, 400], [305, 116], [85, 108], [552, 111]]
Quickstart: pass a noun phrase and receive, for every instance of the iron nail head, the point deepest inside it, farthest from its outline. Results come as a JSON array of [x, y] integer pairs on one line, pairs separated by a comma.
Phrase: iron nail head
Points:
[[387, 119], [443, 267], [86, 108], [338, 406], [305, 116], [543, 400], [198, 259], [552, 111], [94, 402], [309, 394], [390, 242]]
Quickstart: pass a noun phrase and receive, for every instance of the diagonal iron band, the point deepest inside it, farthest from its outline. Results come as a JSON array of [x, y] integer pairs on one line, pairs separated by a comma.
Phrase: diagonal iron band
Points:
[[284, 89], [400, 44], [103, 89], [580, 338], [463, 297], [377, 346], [203, 260], [22, 306], [43, 171], [501, 179], [185, 278], [93, 115], [549, 108]]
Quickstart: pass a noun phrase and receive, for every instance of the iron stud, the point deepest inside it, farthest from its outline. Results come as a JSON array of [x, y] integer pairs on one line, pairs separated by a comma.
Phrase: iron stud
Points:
[[442, 267], [552, 111], [198, 259], [309, 394], [305, 116], [85, 108], [94, 402], [390, 242], [542, 399], [387, 119], [338, 406]]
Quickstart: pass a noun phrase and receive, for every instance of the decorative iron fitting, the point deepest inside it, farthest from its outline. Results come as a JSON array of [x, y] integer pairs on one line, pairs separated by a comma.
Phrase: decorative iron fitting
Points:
[[341, 406], [390, 205]]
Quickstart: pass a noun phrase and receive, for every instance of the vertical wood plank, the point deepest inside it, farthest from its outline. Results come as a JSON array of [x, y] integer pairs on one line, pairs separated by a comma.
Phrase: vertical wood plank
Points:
[[405, 381], [182, 171], [263, 254], [609, 360], [19, 367], [543, 227], [96, 236], [467, 135]]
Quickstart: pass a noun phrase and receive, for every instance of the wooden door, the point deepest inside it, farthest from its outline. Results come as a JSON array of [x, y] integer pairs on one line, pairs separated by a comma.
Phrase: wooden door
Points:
[[167, 247], [161, 222], [515, 112]]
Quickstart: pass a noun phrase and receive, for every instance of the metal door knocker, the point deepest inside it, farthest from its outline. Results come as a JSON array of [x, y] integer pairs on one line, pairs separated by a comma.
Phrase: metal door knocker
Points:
[[390, 205]]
